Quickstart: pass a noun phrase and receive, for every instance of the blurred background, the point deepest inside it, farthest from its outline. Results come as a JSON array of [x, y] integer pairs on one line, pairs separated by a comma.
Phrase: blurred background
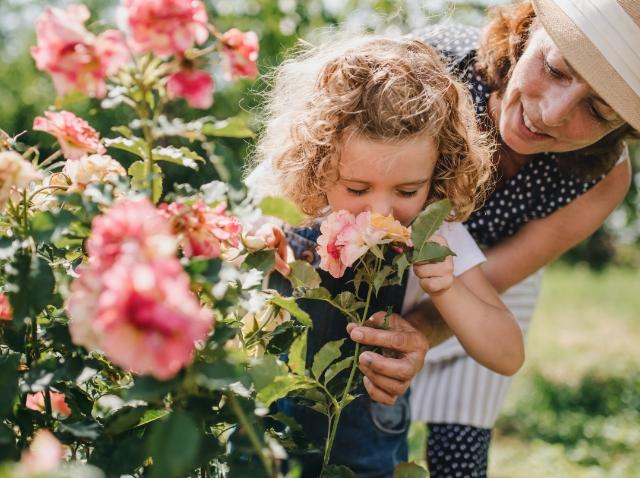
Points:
[[574, 409]]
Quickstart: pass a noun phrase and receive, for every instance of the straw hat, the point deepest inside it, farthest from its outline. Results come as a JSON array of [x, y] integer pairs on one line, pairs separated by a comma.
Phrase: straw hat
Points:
[[601, 40]]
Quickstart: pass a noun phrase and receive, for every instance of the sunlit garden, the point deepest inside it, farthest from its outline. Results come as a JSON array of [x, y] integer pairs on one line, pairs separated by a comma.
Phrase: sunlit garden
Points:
[[138, 333]]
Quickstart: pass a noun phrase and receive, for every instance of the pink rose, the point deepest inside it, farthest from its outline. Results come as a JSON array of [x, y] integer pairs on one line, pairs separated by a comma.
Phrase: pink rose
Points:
[[97, 168], [75, 58], [241, 53], [194, 86], [35, 401], [44, 454], [204, 231], [166, 27], [6, 313], [131, 227], [16, 173], [75, 135], [142, 315]]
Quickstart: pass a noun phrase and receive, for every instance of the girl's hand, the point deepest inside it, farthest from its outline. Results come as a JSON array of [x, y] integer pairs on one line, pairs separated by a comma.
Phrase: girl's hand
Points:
[[387, 377], [435, 278], [270, 237]]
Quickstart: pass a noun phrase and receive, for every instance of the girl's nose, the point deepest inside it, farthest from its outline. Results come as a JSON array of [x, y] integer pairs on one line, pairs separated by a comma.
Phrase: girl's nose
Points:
[[381, 206], [560, 103]]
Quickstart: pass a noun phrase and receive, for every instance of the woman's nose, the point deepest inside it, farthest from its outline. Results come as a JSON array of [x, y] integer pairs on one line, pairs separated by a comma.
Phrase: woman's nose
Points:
[[561, 102]]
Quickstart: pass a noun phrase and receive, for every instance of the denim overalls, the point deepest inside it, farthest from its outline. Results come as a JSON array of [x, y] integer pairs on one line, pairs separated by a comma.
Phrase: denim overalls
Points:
[[371, 438]]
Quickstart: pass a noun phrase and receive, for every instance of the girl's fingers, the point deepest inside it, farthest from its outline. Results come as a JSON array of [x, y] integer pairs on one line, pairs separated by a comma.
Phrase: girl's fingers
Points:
[[281, 266]]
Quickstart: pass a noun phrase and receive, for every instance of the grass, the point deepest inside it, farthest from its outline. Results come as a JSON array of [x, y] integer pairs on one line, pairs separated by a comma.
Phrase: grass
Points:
[[574, 409]]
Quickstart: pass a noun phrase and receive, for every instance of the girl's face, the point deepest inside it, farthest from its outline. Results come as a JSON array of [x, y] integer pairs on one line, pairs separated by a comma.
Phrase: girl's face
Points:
[[547, 106], [384, 177]]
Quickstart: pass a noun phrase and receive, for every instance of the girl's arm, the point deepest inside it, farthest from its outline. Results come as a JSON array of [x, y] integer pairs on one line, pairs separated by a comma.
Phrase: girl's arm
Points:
[[475, 314], [537, 244]]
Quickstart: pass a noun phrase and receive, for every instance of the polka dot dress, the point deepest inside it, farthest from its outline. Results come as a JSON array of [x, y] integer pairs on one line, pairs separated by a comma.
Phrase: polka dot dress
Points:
[[457, 451], [539, 188]]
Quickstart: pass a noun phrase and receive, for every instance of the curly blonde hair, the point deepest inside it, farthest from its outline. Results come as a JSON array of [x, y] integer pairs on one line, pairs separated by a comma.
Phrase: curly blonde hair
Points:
[[380, 88]]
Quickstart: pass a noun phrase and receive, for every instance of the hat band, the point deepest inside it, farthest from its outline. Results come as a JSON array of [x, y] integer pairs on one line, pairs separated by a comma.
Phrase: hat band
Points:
[[612, 32]]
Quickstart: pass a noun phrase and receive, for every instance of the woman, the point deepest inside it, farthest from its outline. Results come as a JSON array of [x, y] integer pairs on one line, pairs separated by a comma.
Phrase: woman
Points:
[[558, 82]]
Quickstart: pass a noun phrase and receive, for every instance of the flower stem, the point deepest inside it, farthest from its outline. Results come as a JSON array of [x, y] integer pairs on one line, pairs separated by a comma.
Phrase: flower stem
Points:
[[251, 433]]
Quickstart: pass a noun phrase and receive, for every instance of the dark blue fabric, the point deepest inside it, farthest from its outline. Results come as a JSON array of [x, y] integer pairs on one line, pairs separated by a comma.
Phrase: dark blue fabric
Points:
[[371, 438]]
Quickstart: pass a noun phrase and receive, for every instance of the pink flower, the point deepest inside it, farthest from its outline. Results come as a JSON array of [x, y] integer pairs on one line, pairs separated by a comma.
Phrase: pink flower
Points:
[[44, 454], [75, 135], [96, 168], [194, 86], [166, 27], [204, 231], [15, 174], [75, 58], [241, 53], [6, 313], [344, 239], [142, 315], [131, 227], [35, 401]]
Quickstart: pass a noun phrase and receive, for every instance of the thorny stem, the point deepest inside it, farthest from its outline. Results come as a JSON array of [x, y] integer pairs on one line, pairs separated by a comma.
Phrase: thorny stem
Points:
[[251, 433]]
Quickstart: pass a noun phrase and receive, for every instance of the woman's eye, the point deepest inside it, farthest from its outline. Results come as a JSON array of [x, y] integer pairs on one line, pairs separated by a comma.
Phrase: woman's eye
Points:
[[407, 194], [551, 70], [597, 115], [356, 192]]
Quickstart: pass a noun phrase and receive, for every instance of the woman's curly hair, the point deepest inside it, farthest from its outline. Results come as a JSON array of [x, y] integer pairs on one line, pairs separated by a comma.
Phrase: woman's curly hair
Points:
[[382, 89], [501, 46]]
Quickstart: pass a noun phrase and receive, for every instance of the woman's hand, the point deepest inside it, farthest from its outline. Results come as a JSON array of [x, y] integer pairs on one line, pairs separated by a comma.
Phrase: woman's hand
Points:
[[388, 376], [435, 278]]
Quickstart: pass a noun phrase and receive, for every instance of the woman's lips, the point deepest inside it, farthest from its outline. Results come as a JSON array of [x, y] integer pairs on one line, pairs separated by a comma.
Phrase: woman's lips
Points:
[[527, 128]]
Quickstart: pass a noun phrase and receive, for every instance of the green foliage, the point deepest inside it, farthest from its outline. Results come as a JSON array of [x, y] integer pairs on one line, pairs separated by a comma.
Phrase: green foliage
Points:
[[282, 208], [409, 470]]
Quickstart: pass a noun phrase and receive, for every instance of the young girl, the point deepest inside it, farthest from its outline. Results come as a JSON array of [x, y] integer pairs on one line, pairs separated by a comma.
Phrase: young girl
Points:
[[374, 124]]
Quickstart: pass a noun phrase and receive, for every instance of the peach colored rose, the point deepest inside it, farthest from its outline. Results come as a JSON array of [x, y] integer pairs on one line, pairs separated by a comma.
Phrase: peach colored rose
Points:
[[97, 168], [240, 51], [16, 173], [35, 401], [131, 227], [6, 313], [44, 454], [393, 230], [196, 87], [75, 135], [166, 27], [76, 59], [204, 231], [142, 315]]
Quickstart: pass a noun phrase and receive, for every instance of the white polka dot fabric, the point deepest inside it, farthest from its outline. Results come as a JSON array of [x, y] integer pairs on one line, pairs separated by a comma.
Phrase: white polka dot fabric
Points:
[[539, 188]]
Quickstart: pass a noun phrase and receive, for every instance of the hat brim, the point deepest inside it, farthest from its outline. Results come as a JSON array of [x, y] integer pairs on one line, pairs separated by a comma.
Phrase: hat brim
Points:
[[587, 60]]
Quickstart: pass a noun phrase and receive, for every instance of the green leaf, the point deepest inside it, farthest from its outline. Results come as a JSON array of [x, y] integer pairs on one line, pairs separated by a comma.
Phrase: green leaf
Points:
[[30, 285], [432, 252], [304, 274], [173, 444], [265, 371], [132, 145], [282, 208], [50, 226], [123, 419], [149, 389], [151, 416], [289, 304], [282, 386], [336, 368], [218, 375], [82, 430], [381, 276], [336, 471], [182, 156], [377, 252], [401, 263], [409, 470], [234, 127], [8, 247], [8, 381], [204, 270], [125, 131], [318, 294], [325, 357], [428, 222], [298, 354], [138, 179], [262, 260]]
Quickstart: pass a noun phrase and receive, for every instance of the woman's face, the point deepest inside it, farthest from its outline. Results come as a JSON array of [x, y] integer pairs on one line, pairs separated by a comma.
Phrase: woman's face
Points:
[[547, 106]]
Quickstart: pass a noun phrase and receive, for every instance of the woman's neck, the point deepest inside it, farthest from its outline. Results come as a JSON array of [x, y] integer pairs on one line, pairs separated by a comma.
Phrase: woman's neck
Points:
[[508, 162]]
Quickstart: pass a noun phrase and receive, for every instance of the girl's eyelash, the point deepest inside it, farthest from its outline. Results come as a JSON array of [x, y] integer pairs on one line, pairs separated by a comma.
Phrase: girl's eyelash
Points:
[[407, 194], [356, 192]]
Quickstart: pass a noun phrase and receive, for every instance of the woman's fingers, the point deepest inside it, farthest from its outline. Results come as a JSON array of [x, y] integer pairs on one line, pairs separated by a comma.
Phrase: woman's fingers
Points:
[[401, 369], [377, 394]]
